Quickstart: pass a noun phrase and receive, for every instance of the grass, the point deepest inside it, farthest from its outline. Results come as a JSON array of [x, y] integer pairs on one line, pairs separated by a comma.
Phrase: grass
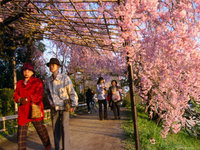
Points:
[[148, 130]]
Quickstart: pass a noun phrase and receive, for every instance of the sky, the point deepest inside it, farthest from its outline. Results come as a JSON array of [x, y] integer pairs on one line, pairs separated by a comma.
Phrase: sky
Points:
[[49, 48]]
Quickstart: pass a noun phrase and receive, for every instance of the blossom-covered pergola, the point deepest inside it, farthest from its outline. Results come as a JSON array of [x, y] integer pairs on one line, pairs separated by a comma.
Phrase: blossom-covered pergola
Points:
[[160, 38], [87, 23]]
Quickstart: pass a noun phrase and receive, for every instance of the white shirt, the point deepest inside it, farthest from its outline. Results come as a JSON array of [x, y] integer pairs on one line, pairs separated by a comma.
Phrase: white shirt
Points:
[[101, 92]]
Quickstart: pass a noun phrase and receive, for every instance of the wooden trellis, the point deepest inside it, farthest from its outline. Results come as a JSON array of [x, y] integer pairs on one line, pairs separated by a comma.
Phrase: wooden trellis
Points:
[[70, 21], [78, 22]]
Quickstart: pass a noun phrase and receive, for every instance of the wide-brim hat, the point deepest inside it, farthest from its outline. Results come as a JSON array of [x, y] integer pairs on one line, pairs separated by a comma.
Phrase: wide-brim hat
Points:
[[53, 61], [28, 66]]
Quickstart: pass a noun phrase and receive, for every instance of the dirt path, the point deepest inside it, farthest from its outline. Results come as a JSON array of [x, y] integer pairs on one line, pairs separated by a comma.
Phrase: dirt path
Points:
[[86, 131]]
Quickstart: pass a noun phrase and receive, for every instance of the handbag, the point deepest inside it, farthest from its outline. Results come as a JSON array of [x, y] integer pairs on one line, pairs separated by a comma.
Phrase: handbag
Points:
[[36, 111], [67, 105], [108, 97], [116, 96]]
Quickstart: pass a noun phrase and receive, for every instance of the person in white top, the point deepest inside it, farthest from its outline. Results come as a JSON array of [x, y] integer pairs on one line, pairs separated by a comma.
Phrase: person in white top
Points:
[[101, 91]]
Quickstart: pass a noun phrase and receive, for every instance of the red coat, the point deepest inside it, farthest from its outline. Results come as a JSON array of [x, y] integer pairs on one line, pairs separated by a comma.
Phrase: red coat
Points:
[[33, 91]]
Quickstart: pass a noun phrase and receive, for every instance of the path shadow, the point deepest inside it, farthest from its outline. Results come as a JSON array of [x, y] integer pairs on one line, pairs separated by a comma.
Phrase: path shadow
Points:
[[91, 127], [11, 142], [95, 116], [111, 134], [34, 145], [10, 139]]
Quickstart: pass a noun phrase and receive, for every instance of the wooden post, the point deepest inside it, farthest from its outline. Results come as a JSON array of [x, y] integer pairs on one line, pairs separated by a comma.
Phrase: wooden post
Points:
[[133, 104], [4, 123], [84, 92], [132, 93], [15, 79], [45, 115]]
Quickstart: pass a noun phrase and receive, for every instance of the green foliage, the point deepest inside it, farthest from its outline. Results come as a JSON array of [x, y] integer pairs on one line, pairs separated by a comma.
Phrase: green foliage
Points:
[[75, 84], [45, 101], [6, 102], [126, 100], [13, 44], [40, 46], [81, 98], [192, 113], [11, 128], [148, 130], [124, 82], [194, 105], [6, 76]]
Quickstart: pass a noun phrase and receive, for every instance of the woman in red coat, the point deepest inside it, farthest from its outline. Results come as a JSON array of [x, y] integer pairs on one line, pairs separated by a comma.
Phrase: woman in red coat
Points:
[[29, 91]]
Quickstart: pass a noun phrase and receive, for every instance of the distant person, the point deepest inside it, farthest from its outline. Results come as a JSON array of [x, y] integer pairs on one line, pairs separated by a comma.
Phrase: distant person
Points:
[[115, 98], [63, 99], [101, 91], [30, 91], [89, 98]]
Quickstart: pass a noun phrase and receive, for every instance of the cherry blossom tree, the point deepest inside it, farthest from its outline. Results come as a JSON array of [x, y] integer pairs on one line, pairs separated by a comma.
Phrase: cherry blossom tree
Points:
[[92, 63], [164, 51]]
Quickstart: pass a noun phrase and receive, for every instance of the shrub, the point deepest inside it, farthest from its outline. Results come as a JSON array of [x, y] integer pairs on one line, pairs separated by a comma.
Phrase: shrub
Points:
[[127, 100], [6, 102], [81, 98]]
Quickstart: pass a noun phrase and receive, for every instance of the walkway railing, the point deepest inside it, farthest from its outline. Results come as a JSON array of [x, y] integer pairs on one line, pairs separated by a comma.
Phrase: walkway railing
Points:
[[13, 118]]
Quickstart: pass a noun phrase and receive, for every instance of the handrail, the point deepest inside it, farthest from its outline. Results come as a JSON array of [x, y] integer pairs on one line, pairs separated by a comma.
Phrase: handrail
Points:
[[12, 117]]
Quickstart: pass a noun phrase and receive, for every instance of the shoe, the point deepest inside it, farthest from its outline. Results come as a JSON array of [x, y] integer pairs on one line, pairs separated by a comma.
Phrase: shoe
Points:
[[119, 117]]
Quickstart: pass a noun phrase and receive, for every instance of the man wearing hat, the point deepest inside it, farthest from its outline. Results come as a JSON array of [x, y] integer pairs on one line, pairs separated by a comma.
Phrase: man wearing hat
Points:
[[30, 91], [63, 99]]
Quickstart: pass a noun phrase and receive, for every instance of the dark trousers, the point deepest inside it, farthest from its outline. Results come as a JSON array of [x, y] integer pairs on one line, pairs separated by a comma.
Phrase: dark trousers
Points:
[[116, 109], [88, 105], [60, 124], [102, 102], [41, 130]]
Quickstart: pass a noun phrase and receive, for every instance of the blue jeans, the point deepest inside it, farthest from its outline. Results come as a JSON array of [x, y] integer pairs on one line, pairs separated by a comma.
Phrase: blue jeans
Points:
[[60, 124]]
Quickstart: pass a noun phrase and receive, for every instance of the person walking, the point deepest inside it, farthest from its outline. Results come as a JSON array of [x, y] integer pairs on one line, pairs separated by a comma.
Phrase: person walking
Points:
[[63, 99], [29, 92], [89, 98], [101, 91], [115, 97]]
